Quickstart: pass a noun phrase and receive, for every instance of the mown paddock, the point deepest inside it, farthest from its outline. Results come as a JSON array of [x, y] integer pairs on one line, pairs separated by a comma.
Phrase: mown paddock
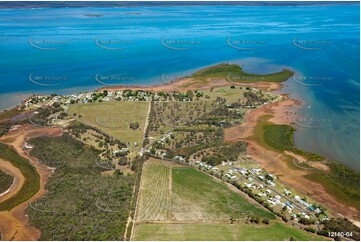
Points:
[[221, 232], [171, 193], [213, 198], [154, 192], [114, 118]]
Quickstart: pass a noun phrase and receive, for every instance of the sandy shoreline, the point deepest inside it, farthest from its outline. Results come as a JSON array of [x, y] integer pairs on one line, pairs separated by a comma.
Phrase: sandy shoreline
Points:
[[185, 84], [283, 112], [14, 223]]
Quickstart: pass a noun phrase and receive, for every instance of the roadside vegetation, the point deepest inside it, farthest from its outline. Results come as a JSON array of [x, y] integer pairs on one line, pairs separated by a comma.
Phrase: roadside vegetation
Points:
[[213, 197], [31, 184], [185, 194]]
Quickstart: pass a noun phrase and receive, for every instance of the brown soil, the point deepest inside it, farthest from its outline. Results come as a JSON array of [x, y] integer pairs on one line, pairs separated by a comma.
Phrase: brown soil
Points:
[[283, 112], [8, 168], [14, 223]]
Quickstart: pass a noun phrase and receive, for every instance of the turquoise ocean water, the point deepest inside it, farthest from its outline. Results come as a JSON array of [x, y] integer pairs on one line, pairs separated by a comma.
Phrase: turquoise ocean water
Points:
[[66, 50]]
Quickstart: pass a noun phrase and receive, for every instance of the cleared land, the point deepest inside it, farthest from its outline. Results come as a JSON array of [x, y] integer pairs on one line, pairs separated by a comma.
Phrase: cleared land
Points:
[[214, 199], [180, 203], [154, 192], [185, 194], [276, 231], [115, 119]]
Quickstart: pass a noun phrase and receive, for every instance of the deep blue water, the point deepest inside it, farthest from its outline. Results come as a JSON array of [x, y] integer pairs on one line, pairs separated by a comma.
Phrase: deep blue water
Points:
[[62, 50]]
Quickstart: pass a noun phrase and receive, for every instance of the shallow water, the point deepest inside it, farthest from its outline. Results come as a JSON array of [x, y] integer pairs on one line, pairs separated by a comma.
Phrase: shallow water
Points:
[[69, 50]]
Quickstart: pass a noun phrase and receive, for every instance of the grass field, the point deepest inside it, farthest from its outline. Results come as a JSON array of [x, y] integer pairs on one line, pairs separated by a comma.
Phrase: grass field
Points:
[[200, 208], [214, 199], [5, 181], [114, 118], [181, 203], [31, 184], [185, 194], [274, 231], [154, 192]]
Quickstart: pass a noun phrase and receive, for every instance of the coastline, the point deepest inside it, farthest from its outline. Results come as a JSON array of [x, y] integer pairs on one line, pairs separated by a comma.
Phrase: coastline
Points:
[[14, 223], [184, 84], [282, 112]]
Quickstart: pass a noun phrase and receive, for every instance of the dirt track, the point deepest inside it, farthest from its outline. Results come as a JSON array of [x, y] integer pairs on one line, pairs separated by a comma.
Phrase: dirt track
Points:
[[282, 113], [14, 223]]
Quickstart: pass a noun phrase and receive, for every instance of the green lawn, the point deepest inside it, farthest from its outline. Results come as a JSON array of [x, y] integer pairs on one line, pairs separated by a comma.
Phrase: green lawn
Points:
[[31, 184], [213, 198], [114, 118], [174, 193], [274, 231]]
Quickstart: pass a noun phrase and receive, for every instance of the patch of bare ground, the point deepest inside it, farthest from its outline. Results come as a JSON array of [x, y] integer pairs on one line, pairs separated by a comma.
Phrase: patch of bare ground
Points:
[[14, 223], [283, 112]]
